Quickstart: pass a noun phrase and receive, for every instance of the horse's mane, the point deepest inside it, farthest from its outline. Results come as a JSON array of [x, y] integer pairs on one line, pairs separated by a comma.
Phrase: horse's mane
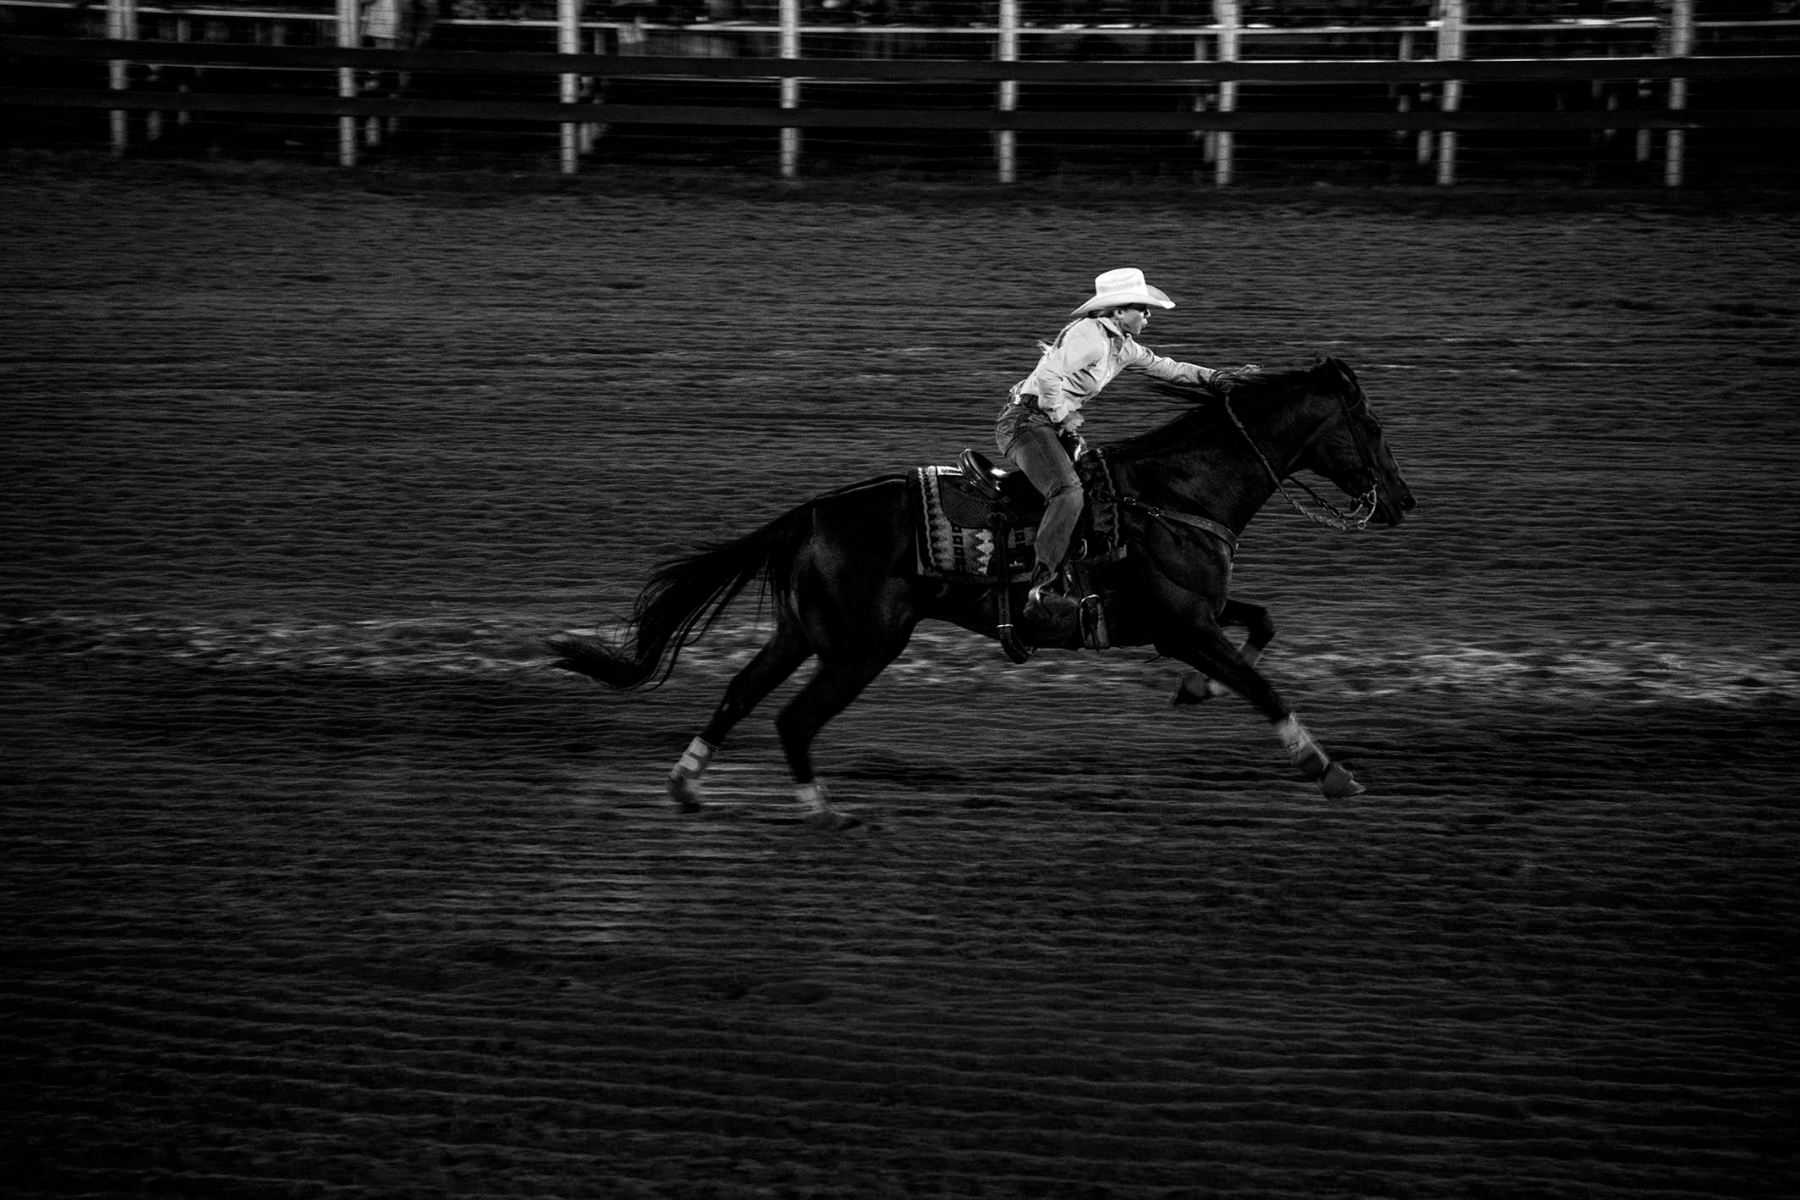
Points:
[[1206, 415]]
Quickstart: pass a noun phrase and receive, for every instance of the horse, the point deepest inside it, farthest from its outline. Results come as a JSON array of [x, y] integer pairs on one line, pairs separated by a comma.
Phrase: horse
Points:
[[844, 581]]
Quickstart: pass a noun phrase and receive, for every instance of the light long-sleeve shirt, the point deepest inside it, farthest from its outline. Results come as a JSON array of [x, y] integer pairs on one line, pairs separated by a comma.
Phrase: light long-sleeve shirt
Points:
[[1086, 357]]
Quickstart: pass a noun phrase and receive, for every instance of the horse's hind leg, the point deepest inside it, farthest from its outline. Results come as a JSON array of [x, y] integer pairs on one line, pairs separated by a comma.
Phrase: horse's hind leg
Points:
[[837, 682], [773, 663], [1198, 687]]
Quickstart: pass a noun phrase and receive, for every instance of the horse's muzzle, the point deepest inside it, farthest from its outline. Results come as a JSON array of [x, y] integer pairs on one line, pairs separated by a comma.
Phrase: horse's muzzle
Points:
[[1394, 501]]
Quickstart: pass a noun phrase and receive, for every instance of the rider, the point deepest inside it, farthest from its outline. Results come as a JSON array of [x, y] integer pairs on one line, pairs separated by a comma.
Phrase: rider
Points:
[[1037, 428]]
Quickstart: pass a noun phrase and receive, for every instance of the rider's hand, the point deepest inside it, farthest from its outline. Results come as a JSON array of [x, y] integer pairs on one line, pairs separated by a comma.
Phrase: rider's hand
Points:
[[1227, 378]]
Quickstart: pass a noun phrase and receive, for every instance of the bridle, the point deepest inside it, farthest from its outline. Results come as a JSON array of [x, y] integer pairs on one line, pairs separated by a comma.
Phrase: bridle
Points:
[[1319, 510]]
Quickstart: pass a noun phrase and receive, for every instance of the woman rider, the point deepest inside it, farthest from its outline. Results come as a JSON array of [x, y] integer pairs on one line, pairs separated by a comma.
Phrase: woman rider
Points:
[[1037, 428]]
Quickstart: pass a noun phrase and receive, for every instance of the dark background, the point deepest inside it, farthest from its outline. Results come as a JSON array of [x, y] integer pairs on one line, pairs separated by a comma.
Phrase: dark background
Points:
[[1759, 151]]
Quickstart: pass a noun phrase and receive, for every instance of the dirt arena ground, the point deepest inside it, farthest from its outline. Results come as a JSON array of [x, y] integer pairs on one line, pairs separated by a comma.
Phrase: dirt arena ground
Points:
[[318, 882]]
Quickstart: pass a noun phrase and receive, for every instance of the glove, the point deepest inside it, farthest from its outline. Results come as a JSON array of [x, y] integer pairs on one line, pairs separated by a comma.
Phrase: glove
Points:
[[1229, 377]]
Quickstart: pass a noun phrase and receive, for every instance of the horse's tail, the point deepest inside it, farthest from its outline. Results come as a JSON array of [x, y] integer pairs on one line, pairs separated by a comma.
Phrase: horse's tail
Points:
[[685, 598]]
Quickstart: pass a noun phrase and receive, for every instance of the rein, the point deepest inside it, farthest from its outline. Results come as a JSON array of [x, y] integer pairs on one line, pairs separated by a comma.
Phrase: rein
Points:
[[1320, 510], [1192, 521], [1207, 525], [1332, 517]]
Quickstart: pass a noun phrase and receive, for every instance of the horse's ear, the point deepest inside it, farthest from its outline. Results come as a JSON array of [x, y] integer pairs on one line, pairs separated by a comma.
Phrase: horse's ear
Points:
[[1338, 370]]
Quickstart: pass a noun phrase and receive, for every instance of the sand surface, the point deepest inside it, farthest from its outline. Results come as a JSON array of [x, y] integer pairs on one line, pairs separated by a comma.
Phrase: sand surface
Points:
[[318, 882]]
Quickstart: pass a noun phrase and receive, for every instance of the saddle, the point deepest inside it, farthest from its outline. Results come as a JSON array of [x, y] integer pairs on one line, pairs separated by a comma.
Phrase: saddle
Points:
[[1004, 489], [977, 497], [978, 523]]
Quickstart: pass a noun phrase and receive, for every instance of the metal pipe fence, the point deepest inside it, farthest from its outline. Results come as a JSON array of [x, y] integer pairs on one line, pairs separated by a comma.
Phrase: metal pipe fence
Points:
[[1193, 92]]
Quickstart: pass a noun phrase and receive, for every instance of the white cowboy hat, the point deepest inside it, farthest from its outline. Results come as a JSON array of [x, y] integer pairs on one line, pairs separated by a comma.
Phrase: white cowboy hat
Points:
[[1123, 286]]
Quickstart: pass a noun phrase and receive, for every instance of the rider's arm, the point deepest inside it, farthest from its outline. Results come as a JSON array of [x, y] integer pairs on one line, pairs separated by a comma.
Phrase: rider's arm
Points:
[[1138, 358]]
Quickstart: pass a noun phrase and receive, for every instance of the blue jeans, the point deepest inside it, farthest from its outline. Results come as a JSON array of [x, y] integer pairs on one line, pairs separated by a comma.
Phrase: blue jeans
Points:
[[1025, 435]]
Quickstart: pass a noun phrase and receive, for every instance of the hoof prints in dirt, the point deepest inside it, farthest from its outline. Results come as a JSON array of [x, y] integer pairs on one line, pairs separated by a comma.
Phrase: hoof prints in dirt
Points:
[[1192, 986]]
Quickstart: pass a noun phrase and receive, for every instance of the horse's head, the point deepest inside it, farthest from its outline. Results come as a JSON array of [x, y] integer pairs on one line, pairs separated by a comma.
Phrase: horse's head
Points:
[[1232, 448], [1347, 447]]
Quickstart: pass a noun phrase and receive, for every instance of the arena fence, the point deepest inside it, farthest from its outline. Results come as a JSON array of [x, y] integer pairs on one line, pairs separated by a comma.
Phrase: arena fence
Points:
[[1193, 92]]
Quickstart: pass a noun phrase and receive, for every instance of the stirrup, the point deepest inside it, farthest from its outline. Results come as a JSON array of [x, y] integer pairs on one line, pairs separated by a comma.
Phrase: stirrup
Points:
[[1004, 629]]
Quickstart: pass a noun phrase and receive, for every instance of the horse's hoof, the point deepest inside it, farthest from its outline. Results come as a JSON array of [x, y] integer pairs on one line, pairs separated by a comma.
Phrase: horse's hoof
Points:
[[685, 793], [1196, 689], [1338, 784], [831, 820]]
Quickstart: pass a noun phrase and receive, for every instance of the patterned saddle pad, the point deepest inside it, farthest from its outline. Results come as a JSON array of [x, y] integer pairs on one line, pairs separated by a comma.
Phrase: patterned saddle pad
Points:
[[957, 533], [960, 525]]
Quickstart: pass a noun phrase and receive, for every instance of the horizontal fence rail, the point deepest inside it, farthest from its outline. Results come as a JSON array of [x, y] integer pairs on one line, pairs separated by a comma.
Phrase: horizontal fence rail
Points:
[[338, 82], [859, 118], [933, 70]]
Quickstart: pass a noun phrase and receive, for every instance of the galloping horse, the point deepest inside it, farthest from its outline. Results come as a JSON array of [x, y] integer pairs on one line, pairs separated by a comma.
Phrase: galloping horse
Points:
[[843, 574]]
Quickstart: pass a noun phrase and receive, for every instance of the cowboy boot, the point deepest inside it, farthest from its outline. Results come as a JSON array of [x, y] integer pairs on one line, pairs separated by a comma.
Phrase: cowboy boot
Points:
[[1049, 615]]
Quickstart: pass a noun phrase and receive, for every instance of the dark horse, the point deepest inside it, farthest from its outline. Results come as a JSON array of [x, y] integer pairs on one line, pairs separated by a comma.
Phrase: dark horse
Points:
[[845, 585]]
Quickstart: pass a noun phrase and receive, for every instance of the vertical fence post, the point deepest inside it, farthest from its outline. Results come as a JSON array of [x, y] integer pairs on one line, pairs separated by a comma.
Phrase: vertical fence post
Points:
[[121, 24], [790, 87], [184, 32], [1203, 136], [1422, 139], [568, 41], [349, 19], [1229, 18], [1451, 17], [1006, 141], [590, 130], [1680, 43]]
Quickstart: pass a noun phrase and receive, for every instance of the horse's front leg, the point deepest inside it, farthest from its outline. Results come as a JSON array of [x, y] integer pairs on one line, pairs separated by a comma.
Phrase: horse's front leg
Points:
[[1198, 687], [1203, 645]]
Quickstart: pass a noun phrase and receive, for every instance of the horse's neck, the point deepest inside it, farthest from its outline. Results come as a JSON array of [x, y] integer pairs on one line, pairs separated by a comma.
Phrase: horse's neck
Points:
[[1225, 476], [1220, 478]]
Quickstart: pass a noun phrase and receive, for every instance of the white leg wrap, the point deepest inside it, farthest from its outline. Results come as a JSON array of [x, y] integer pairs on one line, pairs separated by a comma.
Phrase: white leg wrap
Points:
[[811, 796], [1306, 753], [684, 777], [693, 762]]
